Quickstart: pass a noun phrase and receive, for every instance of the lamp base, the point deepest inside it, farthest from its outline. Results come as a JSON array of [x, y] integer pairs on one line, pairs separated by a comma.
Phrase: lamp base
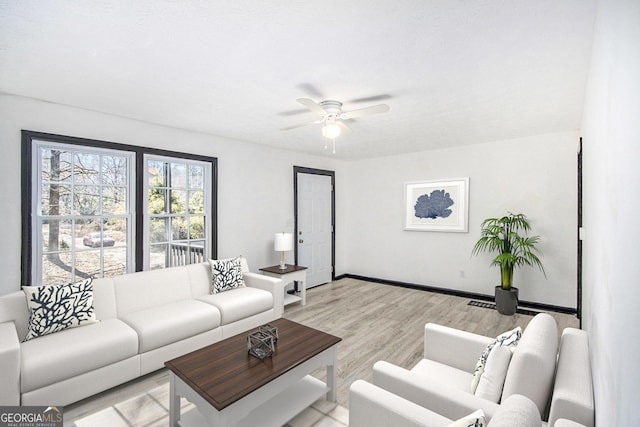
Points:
[[283, 266]]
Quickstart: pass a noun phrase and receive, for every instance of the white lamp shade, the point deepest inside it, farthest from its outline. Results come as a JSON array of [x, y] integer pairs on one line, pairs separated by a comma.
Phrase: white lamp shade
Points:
[[283, 242]]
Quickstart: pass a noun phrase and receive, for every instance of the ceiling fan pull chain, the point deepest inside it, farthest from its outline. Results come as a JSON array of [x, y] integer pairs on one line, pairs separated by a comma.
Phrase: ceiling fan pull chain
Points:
[[334, 145]]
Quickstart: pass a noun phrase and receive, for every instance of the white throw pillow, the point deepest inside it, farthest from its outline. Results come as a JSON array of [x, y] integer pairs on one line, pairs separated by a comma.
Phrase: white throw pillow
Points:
[[495, 372], [476, 419], [54, 308], [507, 339], [226, 274]]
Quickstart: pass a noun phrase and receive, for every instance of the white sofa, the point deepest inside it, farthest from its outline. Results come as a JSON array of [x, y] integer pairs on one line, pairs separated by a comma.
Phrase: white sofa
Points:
[[145, 319], [432, 394]]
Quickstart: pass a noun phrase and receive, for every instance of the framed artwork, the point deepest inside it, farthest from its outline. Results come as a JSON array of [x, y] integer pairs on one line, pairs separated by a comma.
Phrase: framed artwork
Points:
[[437, 205]]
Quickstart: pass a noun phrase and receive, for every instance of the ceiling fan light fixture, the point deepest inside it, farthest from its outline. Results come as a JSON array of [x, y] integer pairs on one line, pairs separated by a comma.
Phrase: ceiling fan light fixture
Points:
[[331, 131]]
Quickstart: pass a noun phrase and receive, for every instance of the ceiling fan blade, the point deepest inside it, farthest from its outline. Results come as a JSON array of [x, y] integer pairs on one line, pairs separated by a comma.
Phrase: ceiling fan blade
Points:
[[310, 90], [293, 112], [312, 105], [381, 97], [302, 125], [366, 111], [343, 126]]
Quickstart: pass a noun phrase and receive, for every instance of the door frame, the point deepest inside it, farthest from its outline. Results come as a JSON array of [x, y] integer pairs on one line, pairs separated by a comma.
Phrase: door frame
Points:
[[579, 236], [311, 171]]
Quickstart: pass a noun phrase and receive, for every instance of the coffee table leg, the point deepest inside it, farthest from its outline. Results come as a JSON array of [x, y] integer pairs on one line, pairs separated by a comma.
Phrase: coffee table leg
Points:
[[174, 402], [331, 377]]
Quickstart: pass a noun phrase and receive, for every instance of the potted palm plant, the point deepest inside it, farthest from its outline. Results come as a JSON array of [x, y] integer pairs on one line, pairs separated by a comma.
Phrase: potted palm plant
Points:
[[507, 237]]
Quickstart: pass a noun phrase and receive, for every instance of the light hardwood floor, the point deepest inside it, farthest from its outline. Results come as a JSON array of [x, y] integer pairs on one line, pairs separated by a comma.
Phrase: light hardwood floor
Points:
[[375, 322], [383, 322]]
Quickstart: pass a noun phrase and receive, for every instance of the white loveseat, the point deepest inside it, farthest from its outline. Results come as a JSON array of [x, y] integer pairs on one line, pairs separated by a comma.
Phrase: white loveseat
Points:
[[144, 319]]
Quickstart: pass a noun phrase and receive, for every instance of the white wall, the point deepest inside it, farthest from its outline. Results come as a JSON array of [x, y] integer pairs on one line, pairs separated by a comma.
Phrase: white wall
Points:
[[535, 176], [611, 137], [255, 185]]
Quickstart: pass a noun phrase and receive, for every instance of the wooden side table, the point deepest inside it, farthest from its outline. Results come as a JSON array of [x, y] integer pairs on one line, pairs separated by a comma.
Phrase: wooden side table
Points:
[[288, 275]]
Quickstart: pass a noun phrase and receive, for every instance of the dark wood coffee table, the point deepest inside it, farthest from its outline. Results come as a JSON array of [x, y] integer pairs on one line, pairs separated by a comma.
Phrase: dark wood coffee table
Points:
[[229, 386]]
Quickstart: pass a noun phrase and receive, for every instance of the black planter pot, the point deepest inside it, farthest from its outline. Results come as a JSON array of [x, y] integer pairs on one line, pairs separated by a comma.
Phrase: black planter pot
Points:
[[506, 300]]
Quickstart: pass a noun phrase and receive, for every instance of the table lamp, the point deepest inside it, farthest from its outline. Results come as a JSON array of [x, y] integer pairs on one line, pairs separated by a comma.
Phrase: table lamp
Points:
[[283, 243]]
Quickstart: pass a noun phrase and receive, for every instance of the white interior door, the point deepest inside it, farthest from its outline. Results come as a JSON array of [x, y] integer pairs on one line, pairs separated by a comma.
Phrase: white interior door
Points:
[[314, 227]]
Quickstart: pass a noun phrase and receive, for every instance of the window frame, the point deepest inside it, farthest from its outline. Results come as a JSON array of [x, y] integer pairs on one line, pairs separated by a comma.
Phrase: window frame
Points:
[[146, 224], [28, 138]]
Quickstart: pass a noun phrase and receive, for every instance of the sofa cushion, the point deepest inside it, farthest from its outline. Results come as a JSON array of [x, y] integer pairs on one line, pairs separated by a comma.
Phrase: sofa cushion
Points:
[[54, 308], [436, 371], [168, 323], [226, 274], [516, 411], [492, 380], [508, 339], [533, 364], [240, 303], [65, 354], [149, 289]]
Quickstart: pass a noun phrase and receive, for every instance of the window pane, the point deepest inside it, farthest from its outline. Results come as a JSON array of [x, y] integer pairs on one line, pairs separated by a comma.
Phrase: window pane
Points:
[[56, 235], [114, 170], [158, 256], [178, 175], [157, 201], [88, 264], [155, 174], [114, 200], [115, 261], [56, 269], [196, 202], [196, 177], [86, 200], [158, 232], [55, 199], [178, 228], [117, 229], [178, 201], [86, 168], [55, 165], [196, 227], [197, 251]]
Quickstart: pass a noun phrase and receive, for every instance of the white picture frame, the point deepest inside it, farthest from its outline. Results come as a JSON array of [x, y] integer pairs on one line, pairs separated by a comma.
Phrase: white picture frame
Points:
[[441, 205]]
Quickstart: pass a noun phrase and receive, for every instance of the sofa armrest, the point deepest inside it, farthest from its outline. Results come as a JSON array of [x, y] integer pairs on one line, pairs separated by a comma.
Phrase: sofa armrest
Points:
[[453, 347], [572, 396], [270, 284], [438, 397], [372, 406], [9, 365]]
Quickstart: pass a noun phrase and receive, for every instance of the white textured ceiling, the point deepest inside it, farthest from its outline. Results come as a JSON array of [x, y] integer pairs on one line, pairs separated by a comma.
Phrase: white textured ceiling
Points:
[[453, 71]]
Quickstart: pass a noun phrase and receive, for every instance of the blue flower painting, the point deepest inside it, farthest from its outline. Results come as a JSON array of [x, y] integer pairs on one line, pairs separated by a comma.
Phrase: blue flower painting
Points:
[[434, 206]]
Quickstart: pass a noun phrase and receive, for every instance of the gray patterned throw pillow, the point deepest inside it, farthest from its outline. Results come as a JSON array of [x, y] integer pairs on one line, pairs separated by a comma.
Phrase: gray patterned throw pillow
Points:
[[226, 274], [54, 308]]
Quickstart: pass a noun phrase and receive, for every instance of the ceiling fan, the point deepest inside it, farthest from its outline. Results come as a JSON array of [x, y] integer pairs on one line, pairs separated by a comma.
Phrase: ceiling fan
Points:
[[332, 117]]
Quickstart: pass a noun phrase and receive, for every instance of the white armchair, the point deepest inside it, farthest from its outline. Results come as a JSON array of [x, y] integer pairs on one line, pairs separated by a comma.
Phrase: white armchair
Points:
[[441, 382], [372, 406]]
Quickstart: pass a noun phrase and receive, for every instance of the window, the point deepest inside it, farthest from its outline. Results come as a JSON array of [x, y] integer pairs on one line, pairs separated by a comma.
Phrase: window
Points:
[[98, 209], [177, 213], [82, 216]]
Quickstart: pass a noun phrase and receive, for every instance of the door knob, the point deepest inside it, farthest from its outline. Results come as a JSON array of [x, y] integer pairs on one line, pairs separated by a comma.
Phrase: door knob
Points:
[[300, 241]]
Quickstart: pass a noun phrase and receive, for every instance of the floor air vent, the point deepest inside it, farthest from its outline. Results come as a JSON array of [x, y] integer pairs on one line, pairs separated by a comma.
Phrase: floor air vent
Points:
[[493, 306]]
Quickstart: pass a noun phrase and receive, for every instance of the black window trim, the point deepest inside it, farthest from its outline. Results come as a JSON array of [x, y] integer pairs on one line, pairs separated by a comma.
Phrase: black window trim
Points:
[[29, 136]]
